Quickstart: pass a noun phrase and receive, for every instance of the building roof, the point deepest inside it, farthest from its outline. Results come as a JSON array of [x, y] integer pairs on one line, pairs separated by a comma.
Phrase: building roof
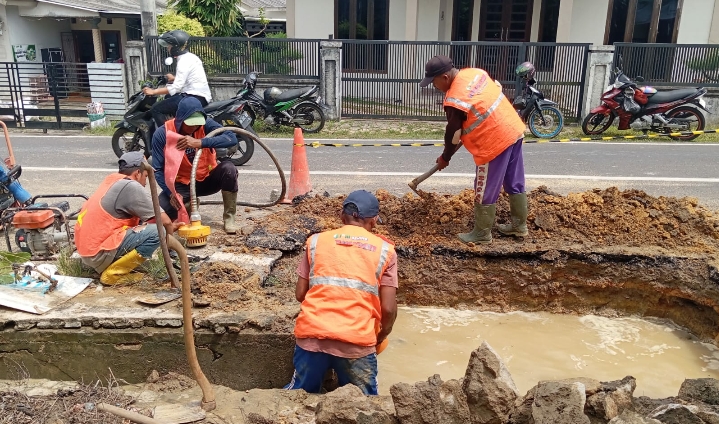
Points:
[[107, 6], [267, 4]]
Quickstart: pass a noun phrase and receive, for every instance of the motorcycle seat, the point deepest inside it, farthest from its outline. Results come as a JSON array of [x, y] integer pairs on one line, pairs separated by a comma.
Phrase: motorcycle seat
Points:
[[292, 94], [670, 96], [219, 105]]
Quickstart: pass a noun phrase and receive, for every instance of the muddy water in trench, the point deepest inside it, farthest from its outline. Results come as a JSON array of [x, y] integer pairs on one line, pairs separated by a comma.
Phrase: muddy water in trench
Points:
[[543, 346]]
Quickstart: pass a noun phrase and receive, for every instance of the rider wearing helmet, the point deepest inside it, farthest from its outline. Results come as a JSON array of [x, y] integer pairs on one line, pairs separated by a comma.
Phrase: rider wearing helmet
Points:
[[190, 79]]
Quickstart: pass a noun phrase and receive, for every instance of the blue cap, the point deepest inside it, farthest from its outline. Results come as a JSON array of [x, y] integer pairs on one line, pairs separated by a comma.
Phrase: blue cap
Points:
[[366, 203]]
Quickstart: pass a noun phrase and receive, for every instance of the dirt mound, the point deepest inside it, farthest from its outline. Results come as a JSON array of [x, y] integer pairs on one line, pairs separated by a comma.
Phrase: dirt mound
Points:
[[599, 218], [230, 288], [170, 382]]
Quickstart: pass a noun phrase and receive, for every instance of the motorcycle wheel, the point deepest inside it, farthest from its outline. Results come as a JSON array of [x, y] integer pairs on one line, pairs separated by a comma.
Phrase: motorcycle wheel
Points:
[[245, 147], [311, 113], [597, 123], [121, 144], [690, 116], [553, 122]]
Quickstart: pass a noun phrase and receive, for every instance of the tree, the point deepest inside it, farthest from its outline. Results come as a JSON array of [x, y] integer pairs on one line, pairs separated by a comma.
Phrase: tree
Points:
[[220, 18], [173, 20]]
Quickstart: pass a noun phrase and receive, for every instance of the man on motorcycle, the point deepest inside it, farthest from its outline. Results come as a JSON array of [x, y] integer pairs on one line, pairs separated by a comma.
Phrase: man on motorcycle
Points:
[[109, 235], [493, 133], [174, 147], [190, 79]]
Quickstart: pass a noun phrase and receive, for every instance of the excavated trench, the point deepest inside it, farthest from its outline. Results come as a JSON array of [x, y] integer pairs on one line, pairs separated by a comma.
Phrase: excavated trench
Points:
[[603, 252]]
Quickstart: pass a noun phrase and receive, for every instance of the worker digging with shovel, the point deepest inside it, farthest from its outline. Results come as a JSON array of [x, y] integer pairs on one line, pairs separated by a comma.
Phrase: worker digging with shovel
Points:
[[493, 133]]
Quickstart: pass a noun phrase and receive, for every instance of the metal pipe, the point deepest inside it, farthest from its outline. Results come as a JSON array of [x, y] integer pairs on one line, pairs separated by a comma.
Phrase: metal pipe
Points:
[[124, 413], [208, 393], [160, 228], [256, 139]]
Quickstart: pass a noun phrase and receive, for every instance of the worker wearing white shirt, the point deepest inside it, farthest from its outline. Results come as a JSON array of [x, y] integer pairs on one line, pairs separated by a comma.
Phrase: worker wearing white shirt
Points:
[[190, 79]]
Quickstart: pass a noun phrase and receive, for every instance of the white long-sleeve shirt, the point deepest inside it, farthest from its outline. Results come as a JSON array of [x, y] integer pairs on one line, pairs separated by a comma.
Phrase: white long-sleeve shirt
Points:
[[190, 77]]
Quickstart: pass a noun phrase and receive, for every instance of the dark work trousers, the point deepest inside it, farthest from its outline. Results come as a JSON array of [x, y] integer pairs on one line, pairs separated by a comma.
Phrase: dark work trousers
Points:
[[222, 178], [168, 106]]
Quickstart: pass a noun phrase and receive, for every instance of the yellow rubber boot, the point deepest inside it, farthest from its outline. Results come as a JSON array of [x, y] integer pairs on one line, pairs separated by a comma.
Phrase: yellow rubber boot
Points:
[[120, 271]]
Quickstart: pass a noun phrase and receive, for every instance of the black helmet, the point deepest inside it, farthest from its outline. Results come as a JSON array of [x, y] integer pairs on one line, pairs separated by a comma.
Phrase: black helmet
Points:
[[176, 40], [525, 70]]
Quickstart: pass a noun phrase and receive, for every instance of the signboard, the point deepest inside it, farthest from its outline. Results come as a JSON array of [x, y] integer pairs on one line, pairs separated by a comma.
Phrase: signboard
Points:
[[24, 53]]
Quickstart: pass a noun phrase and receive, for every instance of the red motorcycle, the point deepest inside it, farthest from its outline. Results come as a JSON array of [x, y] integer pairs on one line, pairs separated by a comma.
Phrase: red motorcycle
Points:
[[644, 109]]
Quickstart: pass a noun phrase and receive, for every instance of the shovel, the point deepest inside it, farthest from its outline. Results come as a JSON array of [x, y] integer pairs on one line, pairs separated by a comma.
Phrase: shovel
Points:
[[415, 182]]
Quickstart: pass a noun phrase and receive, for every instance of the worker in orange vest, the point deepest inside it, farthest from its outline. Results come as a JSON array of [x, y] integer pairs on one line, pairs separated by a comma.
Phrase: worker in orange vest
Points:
[[493, 133], [111, 233], [347, 283]]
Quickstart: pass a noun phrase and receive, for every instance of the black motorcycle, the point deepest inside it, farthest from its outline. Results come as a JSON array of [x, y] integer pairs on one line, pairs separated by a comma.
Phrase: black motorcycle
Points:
[[135, 131], [298, 107], [541, 115]]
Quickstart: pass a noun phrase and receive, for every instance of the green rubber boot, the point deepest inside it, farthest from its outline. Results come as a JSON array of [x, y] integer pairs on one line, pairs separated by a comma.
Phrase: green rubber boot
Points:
[[518, 211], [483, 222]]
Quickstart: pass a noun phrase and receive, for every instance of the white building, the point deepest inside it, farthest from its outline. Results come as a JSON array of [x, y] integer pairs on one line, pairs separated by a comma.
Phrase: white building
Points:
[[570, 21]]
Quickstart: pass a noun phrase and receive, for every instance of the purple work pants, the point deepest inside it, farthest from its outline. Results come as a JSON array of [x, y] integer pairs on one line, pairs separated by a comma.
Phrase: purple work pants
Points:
[[506, 170]]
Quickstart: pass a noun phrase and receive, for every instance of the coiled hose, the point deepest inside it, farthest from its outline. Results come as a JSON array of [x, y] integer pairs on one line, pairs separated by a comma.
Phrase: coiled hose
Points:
[[256, 139], [167, 241]]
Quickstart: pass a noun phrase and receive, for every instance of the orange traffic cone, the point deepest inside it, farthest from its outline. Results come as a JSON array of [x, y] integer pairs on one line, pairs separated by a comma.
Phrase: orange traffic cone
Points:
[[300, 171]]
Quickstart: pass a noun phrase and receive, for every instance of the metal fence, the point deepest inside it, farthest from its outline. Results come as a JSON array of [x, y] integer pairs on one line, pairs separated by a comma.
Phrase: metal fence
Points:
[[233, 56], [380, 78], [676, 65], [44, 95]]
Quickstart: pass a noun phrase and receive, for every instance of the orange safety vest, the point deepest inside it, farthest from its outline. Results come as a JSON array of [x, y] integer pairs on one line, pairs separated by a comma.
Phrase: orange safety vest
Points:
[[208, 160], [343, 303], [492, 124], [96, 229]]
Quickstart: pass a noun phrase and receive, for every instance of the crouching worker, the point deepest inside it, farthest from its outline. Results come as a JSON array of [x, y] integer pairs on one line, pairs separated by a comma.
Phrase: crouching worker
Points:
[[347, 285], [112, 233], [174, 147]]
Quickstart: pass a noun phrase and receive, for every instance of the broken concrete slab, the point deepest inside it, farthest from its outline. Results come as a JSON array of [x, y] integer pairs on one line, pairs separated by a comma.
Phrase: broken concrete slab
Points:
[[489, 387]]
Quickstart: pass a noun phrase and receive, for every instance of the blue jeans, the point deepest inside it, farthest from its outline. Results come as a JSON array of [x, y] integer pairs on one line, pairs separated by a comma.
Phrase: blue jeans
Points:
[[145, 242], [310, 369]]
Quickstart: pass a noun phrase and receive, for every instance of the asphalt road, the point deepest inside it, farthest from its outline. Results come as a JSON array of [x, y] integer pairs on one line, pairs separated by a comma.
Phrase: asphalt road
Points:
[[63, 164]]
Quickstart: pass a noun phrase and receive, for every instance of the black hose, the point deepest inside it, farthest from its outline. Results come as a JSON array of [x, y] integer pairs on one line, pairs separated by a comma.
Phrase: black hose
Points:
[[274, 160]]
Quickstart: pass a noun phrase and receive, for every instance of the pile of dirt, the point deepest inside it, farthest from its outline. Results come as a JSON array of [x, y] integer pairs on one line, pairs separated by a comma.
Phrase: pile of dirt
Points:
[[594, 218], [230, 287]]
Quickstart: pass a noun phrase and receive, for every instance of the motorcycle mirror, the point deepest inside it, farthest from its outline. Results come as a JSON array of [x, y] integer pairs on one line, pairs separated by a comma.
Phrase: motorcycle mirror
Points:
[[168, 61], [639, 79]]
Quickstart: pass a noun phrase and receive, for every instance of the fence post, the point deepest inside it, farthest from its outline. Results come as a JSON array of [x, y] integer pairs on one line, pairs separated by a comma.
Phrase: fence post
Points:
[[331, 78], [599, 70], [135, 66]]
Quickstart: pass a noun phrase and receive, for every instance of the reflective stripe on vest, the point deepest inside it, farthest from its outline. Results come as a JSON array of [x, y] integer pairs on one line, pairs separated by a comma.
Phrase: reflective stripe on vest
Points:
[[481, 117], [343, 300], [491, 125], [96, 230], [348, 282]]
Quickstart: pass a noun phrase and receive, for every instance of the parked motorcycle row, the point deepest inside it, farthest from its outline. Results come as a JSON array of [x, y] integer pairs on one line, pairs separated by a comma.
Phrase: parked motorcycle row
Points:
[[639, 108], [297, 107]]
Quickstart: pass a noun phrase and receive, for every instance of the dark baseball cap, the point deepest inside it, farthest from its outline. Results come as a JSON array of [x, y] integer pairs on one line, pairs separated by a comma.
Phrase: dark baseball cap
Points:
[[130, 160], [436, 66], [366, 203]]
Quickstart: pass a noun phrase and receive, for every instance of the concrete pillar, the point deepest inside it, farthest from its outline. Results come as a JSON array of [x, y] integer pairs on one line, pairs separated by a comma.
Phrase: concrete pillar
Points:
[[599, 70], [536, 14], [564, 29], [148, 15], [714, 30], [331, 78], [97, 40], [411, 12], [135, 66]]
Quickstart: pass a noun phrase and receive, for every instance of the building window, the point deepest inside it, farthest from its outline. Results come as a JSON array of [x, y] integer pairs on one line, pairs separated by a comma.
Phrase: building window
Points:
[[362, 20], [643, 21], [134, 29]]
